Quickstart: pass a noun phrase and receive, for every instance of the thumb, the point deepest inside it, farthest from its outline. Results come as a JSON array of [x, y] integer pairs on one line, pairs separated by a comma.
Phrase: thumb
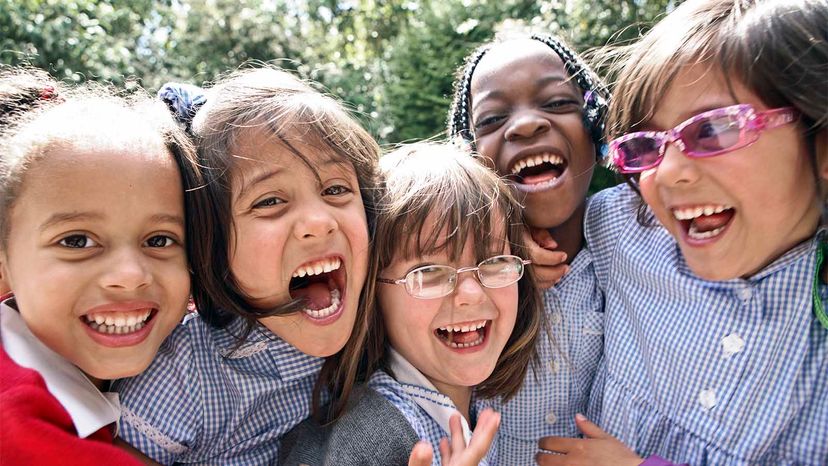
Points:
[[543, 238], [588, 428], [421, 454]]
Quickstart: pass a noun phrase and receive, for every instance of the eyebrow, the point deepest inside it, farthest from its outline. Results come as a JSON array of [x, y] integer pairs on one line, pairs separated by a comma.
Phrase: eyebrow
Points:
[[539, 83], [260, 177], [67, 217]]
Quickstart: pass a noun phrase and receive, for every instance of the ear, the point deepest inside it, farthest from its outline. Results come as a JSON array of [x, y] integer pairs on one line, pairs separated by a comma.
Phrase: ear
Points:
[[821, 149], [5, 286]]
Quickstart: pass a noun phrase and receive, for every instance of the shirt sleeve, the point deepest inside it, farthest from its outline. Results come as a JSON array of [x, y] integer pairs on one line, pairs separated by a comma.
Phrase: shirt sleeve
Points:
[[608, 213], [161, 408]]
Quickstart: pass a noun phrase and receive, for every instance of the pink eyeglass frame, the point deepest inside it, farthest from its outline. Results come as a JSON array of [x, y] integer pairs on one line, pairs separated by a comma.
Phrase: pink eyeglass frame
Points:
[[751, 122]]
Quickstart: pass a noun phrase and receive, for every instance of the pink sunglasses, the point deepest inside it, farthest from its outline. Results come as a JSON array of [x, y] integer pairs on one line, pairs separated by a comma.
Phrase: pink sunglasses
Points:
[[707, 134]]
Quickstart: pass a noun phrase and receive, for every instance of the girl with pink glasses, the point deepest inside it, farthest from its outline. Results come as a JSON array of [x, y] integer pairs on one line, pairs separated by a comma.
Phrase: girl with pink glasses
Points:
[[716, 337]]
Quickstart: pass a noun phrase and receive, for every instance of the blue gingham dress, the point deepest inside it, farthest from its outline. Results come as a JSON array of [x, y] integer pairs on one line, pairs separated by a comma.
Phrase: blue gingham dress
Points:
[[549, 399], [708, 373], [426, 427], [202, 402]]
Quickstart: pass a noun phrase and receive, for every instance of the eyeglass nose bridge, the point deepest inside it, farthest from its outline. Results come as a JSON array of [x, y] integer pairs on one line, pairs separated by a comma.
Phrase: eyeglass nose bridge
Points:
[[672, 137]]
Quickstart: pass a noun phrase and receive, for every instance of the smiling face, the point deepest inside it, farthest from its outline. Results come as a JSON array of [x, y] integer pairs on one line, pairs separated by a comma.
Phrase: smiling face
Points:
[[455, 341], [734, 213], [298, 233], [527, 118], [95, 254]]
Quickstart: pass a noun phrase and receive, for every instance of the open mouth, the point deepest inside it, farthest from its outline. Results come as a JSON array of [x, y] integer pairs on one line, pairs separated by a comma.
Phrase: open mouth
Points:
[[465, 335], [119, 323], [704, 222], [319, 284], [538, 171]]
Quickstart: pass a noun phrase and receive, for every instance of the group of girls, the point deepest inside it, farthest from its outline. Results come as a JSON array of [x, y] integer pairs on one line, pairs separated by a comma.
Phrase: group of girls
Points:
[[357, 310]]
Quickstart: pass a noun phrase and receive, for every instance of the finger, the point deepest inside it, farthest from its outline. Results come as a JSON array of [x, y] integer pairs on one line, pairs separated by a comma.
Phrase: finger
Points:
[[458, 441], [550, 459], [547, 276], [588, 428], [543, 238], [421, 455], [543, 256], [445, 451], [484, 433], [559, 444]]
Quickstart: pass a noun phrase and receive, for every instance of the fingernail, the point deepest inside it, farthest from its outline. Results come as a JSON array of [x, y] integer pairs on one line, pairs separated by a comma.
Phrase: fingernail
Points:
[[580, 417]]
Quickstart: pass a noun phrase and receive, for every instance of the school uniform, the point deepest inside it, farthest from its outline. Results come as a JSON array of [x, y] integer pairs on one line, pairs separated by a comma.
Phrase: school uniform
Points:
[[205, 400], [722, 373], [50, 412], [553, 393]]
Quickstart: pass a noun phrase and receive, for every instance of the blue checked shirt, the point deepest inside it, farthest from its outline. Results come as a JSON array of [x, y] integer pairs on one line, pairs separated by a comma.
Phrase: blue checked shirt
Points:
[[402, 395], [707, 373], [549, 399], [202, 402]]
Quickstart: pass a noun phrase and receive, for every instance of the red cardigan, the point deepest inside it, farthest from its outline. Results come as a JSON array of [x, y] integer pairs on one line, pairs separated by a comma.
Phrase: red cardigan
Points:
[[36, 429]]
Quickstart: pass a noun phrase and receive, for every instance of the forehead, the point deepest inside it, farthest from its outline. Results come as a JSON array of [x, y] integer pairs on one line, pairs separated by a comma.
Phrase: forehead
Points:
[[259, 147], [697, 88], [513, 61]]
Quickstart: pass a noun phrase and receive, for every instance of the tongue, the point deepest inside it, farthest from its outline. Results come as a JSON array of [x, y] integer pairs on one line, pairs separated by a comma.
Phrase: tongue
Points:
[[535, 176], [317, 295], [465, 337], [711, 222]]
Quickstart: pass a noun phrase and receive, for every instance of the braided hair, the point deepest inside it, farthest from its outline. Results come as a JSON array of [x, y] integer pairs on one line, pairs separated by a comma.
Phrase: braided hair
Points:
[[595, 93]]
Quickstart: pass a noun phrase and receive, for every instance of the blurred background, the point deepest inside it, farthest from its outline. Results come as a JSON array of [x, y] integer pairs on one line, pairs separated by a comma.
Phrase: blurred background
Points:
[[391, 61]]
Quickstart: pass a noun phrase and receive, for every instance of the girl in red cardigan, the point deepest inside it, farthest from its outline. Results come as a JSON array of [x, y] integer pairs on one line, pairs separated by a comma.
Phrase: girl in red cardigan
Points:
[[92, 241]]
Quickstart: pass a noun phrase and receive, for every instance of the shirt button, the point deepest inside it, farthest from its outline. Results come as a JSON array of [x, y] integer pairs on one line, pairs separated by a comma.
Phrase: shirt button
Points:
[[707, 398], [553, 366], [556, 318], [745, 294], [732, 344], [551, 418]]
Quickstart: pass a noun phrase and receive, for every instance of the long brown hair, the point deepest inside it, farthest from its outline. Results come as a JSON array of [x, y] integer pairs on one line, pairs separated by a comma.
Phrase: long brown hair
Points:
[[284, 106], [465, 199], [777, 49]]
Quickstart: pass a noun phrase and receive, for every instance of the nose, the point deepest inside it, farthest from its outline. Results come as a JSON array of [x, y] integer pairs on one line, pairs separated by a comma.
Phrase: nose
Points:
[[468, 291], [525, 125], [315, 222], [676, 168], [127, 271]]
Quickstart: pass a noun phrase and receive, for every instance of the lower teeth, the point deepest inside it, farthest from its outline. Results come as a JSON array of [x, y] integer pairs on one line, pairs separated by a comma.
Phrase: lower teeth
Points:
[[327, 311], [693, 233], [467, 345]]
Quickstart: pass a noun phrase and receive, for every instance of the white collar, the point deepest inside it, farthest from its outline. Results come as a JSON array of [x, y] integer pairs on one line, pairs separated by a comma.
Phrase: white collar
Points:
[[422, 391], [89, 409]]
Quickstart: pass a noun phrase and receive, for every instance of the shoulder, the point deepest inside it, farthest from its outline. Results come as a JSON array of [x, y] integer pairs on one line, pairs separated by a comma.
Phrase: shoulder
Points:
[[35, 427], [371, 431]]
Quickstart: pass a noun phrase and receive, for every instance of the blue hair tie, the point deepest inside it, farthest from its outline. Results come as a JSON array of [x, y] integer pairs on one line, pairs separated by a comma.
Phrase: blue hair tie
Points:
[[183, 100]]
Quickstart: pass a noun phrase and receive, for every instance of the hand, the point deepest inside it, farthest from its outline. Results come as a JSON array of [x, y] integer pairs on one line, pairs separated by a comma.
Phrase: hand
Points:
[[457, 453], [548, 264], [598, 448], [421, 454]]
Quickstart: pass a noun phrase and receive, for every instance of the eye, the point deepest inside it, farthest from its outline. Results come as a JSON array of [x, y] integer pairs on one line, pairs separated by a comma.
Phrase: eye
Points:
[[488, 121], [268, 202], [77, 242], [562, 105], [336, 190], [160, 241]]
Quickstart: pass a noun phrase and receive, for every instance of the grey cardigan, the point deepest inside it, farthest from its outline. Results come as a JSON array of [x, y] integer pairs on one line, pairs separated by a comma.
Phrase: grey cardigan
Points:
[[371, 432]]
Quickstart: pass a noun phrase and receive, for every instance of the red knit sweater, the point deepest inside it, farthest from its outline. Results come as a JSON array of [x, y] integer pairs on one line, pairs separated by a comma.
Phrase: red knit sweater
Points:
[[36, 429]]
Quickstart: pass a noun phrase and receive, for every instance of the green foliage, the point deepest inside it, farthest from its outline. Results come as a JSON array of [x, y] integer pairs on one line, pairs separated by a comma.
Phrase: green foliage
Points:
[[392, 61]]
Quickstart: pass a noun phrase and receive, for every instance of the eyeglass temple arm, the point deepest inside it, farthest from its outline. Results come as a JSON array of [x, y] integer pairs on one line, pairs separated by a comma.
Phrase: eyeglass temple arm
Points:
[[391, 282]]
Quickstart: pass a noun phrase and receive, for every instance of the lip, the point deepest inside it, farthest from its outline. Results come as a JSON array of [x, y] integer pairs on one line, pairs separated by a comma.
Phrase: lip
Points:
[[128, 339], [683, 234], [473, 349], [341, 280], [537, 187]]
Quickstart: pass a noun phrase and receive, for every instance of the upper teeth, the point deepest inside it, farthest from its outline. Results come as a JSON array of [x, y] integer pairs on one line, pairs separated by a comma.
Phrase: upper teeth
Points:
[[465, 327], [315, 268], [119, 319], [690, 213], [535, 160]]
